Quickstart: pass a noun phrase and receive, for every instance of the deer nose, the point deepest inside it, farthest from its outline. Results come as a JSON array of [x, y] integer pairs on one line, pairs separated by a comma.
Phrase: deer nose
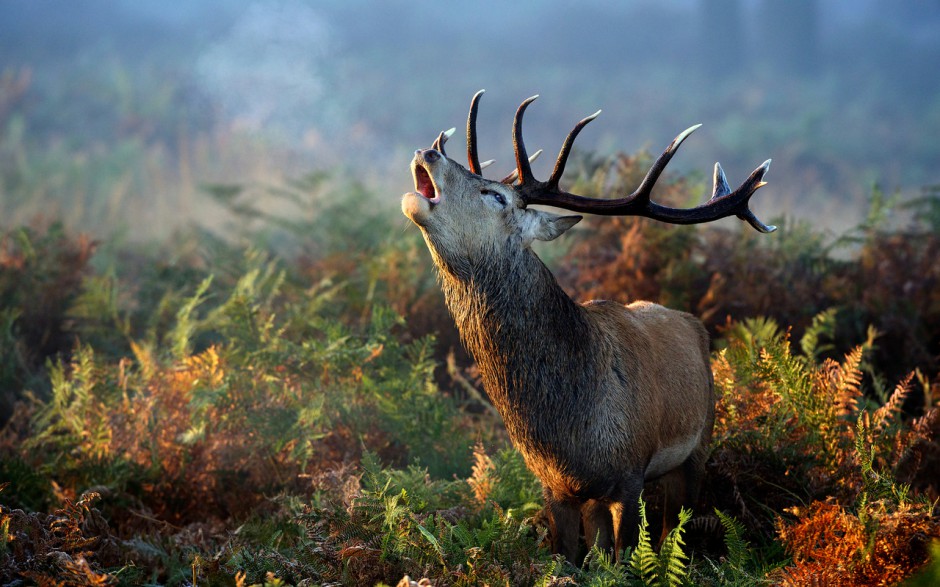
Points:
[[429, 155]]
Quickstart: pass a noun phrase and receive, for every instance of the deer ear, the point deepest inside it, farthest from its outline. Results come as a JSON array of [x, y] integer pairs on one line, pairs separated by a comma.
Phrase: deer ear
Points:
[[546, 226]]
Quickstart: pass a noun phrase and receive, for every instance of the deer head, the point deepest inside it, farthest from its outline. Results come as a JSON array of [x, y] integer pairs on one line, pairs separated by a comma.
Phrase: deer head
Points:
[[460, 210]]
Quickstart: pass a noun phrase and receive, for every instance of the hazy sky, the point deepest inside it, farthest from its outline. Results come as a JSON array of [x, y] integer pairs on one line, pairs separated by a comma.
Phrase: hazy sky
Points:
[[838, 92]]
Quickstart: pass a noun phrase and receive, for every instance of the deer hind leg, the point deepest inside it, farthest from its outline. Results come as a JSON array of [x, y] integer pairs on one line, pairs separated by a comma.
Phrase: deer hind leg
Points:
[[681, 487], [564, 518], [598, 525]]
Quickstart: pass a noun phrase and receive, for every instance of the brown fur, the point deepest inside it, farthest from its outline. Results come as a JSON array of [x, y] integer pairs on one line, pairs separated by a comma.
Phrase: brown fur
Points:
[[599, 398]]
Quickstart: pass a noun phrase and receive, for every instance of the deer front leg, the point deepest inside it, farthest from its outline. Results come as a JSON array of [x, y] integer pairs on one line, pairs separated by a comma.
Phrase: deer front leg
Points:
[[625, 514], [598, 525], [564, 517]]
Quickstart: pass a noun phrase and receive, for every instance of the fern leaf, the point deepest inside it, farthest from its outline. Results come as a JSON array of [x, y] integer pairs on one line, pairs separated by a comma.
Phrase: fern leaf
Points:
[[643, 558], [432, 539], [883, 416], [547, 576], [481, 481], [181, 336], [823, 326], [737, 546], [672, 560]]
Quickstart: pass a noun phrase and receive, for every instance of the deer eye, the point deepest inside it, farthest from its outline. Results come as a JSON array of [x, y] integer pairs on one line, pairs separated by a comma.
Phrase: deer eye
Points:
[[495, 195]]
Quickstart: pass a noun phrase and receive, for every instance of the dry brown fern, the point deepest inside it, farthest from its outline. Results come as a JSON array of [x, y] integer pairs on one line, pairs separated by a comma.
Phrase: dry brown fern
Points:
[[71, 546], [884, 415], [481, 480], [881, 545], [918, 462]]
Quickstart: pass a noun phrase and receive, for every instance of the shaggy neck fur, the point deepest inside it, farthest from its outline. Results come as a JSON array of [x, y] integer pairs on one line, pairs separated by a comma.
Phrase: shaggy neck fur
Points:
[[523, 330]]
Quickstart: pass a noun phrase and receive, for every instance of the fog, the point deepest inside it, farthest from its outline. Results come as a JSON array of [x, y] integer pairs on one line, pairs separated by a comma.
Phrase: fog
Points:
[[842, 94]]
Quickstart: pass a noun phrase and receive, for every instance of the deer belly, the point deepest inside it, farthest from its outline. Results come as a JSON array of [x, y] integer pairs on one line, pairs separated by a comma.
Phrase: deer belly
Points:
[[669, 457]]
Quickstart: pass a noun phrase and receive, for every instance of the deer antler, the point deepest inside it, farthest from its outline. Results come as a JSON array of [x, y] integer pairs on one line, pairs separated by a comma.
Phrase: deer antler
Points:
[[438, 144], [472, 157], [723, 202]]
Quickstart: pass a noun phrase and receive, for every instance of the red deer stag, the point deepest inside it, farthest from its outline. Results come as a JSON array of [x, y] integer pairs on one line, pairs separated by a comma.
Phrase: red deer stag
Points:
[[599, 398]]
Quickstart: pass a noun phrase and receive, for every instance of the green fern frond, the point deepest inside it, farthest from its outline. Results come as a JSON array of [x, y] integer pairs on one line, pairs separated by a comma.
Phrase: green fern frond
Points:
[[668, 568], [671, 561], [737, 546], [600, 570], [877, 485], [643, 560], [749, 336], [181, 335], [547, 576], [432, 540], [372, 475], [822, 327]]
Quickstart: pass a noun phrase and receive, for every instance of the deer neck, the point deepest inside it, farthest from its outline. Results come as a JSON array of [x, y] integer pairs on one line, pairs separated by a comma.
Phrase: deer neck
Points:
[[517, 322]]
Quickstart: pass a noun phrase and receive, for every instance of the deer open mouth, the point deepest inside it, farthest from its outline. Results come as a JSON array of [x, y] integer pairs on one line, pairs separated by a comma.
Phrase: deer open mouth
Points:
[[424, 185]]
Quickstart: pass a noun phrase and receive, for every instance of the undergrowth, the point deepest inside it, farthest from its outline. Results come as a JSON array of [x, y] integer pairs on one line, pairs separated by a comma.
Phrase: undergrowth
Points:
[[238, 413]]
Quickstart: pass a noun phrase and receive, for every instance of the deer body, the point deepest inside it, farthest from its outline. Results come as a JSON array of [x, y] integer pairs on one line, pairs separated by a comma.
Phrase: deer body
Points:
[[618, 361], [599, 398]]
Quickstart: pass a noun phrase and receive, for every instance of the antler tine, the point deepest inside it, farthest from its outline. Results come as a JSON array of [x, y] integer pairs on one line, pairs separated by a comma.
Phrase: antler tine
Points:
[[514, 174], [753, 183], [522, 160], [566, 150], [438, 144], [646, 186], [472, 157], [720, 185]]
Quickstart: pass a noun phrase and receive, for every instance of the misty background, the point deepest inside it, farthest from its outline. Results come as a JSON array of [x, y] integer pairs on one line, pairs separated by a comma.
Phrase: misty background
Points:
[[115, 115]]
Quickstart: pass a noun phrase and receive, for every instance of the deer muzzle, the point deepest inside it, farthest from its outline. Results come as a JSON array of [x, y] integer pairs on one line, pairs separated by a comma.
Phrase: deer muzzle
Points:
[[417, 205], [428, 155], [421, 168]]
